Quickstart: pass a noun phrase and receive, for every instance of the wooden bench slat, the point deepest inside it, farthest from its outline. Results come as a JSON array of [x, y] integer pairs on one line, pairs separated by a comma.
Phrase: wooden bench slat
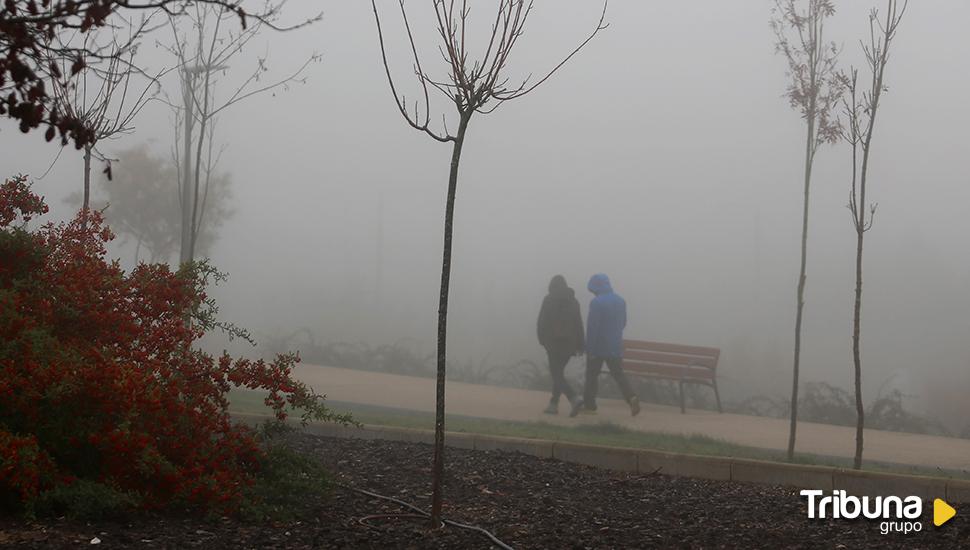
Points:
[[669, 358], [668, 371], [670, 348]]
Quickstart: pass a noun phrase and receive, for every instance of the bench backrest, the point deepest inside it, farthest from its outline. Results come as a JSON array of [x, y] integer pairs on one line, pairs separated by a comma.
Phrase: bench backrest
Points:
[[669, 360]]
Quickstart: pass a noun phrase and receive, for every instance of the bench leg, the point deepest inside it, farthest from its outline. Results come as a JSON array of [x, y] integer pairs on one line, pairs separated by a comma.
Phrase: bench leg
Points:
[[717, 397], [683, 409]]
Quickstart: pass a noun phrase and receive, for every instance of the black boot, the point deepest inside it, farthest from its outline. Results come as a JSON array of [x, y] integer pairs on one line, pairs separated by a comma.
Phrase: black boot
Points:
[[577, 406], [553, 407]]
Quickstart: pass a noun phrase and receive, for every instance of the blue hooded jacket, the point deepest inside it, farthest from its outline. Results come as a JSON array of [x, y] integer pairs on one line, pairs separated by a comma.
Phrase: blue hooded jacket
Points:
[[606, 319]]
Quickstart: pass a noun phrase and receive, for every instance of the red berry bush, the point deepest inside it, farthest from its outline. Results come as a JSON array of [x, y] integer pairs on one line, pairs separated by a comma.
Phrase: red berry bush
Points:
[[99, 381]]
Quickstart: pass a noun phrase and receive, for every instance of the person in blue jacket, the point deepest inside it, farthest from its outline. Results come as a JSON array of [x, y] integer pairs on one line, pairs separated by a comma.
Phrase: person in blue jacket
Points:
[[605, 322]]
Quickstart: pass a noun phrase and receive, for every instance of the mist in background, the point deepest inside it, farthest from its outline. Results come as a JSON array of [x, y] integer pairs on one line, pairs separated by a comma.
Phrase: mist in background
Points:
[[664, 154]]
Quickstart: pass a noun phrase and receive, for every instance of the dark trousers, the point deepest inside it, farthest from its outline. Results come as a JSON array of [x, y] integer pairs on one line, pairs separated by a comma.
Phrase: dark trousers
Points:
[[593, 367], [557, 369]]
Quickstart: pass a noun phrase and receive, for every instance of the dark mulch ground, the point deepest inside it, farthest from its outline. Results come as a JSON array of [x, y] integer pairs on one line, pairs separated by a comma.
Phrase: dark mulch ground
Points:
[[527, 502]]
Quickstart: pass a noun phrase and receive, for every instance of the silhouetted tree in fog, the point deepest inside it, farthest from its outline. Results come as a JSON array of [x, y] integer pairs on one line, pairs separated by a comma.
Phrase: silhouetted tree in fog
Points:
[[141, 204], [861, 108], [26, 49], [472, 86], [205, 42], [814, 92]]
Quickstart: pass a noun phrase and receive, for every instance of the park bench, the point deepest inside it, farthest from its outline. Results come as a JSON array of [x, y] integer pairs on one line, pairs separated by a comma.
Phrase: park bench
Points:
[[682, 364]]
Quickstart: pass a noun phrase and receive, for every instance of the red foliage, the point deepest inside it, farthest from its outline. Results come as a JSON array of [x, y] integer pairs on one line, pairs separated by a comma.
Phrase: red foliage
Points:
[[98, 377]]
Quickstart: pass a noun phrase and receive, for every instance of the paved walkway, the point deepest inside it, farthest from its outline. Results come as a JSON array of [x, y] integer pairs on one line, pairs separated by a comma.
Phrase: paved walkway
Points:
[[406, 392]]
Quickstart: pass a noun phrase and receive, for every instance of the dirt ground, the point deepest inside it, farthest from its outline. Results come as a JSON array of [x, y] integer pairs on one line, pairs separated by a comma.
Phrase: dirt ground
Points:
[[526, 502]]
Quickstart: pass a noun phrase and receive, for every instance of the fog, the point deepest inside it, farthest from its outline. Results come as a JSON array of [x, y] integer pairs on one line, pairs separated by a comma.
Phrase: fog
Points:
[[664, 154]]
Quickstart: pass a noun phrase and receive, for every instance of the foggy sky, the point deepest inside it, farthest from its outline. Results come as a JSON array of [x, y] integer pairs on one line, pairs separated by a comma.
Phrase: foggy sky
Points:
[[664, 155]]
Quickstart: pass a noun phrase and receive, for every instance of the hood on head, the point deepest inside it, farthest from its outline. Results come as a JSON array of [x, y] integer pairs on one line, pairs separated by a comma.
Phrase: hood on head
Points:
[[557, 284], [599, 284]]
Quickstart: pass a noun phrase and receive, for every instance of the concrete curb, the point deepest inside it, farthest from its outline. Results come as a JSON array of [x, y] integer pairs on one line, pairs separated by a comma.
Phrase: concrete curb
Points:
[[647, 461], [862, 483], [610, 458], [802, 476]]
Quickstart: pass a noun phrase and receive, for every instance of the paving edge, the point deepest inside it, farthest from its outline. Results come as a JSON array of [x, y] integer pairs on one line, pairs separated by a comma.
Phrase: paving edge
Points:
[[648, 461]]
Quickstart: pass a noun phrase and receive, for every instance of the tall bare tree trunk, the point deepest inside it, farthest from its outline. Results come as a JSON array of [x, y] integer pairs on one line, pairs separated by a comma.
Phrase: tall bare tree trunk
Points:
[[87, 185], [194, 226], [439, 414], [185, 249], [204, 121], [800, 294], [856, 355], [861, 228], [379, 263]]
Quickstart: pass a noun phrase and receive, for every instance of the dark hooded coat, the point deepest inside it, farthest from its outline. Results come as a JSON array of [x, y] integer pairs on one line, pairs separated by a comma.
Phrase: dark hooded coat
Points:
[[560, 325]]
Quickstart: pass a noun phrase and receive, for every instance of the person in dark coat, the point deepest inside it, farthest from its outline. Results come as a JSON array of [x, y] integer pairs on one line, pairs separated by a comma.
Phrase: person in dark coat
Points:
[[604, 343], [560, 331]]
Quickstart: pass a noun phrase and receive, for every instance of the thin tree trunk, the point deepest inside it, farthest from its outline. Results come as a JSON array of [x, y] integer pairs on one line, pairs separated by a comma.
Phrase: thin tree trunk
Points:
[[800, 294], [87, 186], [193, 225], [186, 240], [861, 228], [203, 122], [379, 267], [856, 355], [439, 420]]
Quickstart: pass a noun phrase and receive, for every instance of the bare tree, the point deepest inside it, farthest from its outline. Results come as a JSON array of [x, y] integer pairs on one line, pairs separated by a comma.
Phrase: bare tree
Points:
[[203, 52], [473, 86], [861, 108], [99, 97], [26, 29], [814, 92]]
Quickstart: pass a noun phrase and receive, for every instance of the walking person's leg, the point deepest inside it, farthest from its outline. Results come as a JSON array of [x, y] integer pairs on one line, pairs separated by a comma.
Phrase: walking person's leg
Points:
[[593, 367], [560, 377], [557, 365], [588, 400], [615, 365], [554, 400]]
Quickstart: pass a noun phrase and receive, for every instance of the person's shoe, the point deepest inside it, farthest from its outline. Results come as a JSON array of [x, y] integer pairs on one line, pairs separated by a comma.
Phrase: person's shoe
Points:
[[586, 411], [553, 408], [577, 406], [634, 405]]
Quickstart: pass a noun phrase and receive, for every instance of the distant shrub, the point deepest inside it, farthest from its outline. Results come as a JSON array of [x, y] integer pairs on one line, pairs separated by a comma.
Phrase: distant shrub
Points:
[[827, 404], [397, 358], [761, 405], [887, 413], [403, 358]]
